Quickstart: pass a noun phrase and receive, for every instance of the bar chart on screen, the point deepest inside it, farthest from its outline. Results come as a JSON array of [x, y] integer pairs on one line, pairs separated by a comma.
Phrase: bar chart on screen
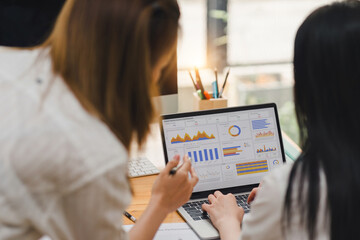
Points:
[[208, 154], [236, 150], [260, 124], [264, 135], [252, 167], [266, 148], [232, 151]]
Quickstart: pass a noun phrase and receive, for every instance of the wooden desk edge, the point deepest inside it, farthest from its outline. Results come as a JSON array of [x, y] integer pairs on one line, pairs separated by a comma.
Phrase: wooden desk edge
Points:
[[142, 192]]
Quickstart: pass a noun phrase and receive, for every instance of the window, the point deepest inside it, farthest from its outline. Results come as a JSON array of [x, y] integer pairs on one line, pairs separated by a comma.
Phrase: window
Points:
[[260, 40]]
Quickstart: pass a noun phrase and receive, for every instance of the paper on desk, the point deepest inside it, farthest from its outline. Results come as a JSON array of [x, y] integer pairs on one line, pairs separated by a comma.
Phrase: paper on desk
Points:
[[172, 231], [167, 231]]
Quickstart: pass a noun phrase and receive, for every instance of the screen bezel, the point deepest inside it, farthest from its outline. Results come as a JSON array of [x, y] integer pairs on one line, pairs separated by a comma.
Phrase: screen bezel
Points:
[[239, 189]]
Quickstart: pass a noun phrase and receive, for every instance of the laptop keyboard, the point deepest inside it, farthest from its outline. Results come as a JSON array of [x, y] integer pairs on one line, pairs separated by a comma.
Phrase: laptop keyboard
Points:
[[195, 211]]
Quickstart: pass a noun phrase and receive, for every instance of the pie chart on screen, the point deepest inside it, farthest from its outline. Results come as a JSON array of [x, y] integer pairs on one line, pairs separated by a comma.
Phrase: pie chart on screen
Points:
[[234, 130]]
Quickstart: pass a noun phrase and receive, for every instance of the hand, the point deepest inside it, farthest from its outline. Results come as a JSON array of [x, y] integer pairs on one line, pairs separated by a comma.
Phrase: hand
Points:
[[172, 191], [169, 193], [252, 195], [225, 214]]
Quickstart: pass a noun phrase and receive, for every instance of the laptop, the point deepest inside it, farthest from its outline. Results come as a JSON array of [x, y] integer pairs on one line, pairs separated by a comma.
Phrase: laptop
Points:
[[231, 149]]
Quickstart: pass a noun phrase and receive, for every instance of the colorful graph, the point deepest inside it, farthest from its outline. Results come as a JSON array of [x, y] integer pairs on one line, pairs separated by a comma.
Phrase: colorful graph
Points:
[[198, 137], [260, 124], [265, 149], [234, 130], [252, 167], [231, 151], [264, 134], [204, 155]]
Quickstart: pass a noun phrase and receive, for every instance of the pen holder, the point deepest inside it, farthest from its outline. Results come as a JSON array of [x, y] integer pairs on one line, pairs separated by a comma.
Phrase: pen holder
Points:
[[206, 104]]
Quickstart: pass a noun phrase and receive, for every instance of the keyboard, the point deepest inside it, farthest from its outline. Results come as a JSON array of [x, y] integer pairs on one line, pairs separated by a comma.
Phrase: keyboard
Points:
[[141, 166], [196, 213]]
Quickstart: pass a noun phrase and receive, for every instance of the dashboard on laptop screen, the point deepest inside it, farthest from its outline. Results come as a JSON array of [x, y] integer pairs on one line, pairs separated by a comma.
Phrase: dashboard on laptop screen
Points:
[[227, 149]]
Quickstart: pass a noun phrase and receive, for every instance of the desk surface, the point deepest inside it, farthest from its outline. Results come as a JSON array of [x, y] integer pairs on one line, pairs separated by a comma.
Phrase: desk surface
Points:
[[142, 191]]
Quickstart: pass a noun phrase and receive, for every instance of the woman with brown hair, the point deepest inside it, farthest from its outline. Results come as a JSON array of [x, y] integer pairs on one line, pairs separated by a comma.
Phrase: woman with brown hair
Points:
[[70, 110]]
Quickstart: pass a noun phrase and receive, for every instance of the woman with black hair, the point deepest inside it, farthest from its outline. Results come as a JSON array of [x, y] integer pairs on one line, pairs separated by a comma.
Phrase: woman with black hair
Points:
[[318, 197]]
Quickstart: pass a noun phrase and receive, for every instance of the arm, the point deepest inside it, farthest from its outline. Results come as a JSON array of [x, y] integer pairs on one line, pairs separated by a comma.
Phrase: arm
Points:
[[225, 215], [264, 219], [169, 193], [94, 210]]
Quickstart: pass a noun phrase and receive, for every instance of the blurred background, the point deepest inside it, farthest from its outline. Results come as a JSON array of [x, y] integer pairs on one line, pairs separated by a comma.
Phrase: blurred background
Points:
[[255, 38]]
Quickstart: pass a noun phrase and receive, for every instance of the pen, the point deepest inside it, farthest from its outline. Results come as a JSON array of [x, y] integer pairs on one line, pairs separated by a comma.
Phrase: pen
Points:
[[223, 87], [129, 216], [173, 171], [217, 84], [192, 79], [215, 90]]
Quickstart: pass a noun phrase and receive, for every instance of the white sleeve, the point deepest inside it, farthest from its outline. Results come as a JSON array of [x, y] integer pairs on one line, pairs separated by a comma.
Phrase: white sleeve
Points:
[[93, 211], [264, 219]]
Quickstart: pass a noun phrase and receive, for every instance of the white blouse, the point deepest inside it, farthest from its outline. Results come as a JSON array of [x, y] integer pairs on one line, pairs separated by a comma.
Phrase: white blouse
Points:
[[62, 171], [265, 218]]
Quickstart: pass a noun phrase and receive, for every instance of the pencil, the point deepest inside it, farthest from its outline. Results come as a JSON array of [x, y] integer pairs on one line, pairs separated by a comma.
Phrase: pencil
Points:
[[198, 81], [192, 79], [223, 87], [217, 82]]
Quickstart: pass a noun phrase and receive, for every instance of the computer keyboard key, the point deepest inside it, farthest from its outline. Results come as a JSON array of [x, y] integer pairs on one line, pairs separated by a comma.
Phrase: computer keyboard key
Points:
[[141, 166]]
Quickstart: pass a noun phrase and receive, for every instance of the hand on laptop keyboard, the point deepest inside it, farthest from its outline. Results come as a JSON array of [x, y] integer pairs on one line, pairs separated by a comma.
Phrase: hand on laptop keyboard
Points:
[[225, 214], [194, 209], [252, 195]]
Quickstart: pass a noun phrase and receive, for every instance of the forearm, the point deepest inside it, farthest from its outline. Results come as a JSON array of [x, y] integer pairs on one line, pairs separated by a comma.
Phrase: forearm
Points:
[[148, 224], [230, 231]]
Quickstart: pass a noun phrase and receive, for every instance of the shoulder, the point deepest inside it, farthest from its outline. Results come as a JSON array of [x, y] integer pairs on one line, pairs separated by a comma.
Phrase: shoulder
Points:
[[14, 61], [278, 177], [264, 219], [272, 189], [57, 140], [51, 148]]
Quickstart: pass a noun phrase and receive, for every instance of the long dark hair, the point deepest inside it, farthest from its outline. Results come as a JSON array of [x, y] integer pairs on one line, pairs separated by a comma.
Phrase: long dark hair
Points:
[[106, 51], [327, 88]]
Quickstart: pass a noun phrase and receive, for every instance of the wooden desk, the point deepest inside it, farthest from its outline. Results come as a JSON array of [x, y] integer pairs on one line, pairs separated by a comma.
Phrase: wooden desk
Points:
[[142, 191]]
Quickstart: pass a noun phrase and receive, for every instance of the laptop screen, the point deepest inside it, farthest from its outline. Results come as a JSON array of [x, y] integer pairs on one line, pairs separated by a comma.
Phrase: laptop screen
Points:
[[229, 147]]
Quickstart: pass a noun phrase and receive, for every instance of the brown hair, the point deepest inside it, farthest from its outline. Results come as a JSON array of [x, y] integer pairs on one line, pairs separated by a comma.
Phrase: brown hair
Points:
[[106, 50]]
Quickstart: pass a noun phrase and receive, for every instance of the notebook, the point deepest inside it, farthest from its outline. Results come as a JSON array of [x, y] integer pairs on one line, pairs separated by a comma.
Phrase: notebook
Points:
[[231, 149]]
